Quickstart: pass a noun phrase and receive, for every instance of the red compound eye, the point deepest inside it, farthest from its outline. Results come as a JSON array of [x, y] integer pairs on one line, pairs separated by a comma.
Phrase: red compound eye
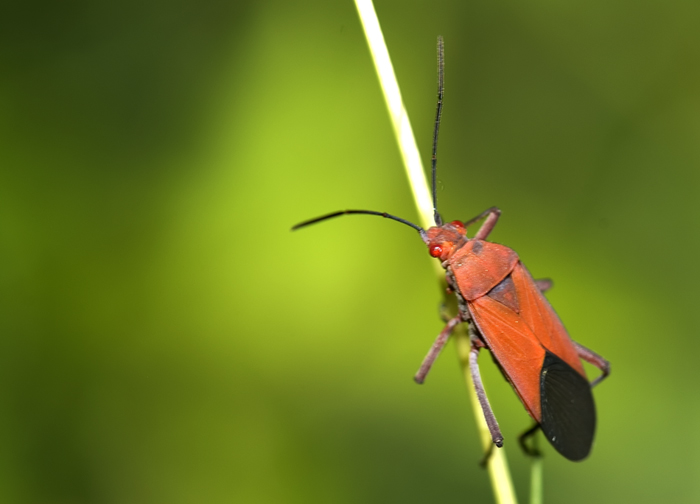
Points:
[[435, 250], [457, 224]]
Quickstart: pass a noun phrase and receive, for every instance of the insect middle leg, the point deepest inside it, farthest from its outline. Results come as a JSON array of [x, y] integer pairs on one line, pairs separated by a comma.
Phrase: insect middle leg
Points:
[[544, 284], [476, 346], [490, 418]]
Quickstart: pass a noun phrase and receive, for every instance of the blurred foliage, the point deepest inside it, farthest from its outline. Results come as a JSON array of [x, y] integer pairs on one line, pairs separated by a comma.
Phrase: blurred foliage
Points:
[[165, 338]]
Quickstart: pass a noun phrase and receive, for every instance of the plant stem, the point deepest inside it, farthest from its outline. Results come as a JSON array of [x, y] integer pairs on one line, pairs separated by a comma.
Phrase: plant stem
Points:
[[536, 479], [497, 466], [397, 112]]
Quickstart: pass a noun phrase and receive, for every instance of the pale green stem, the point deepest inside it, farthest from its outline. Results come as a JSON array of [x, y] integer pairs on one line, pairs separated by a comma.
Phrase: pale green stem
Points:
[[497, 466], [536, 481], [397, 112]]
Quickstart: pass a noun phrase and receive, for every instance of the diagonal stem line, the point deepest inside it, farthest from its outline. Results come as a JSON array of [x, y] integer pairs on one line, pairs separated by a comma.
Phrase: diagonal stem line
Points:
[[397, 111], [497, 465]]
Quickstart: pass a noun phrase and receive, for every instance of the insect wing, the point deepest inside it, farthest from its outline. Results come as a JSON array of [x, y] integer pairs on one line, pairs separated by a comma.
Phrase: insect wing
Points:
[[568, 410], [515, 347], [538, 357], [541, 318]]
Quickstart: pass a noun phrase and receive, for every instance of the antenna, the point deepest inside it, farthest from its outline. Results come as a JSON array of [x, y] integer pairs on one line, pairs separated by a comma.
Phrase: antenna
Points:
[[438, 114], [368, 212], [436, 215]]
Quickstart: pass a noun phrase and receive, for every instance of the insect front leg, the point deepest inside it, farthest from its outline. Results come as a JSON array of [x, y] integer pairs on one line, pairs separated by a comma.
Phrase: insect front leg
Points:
[[593, 358], [492, 215], [480, 216], [436, 348]]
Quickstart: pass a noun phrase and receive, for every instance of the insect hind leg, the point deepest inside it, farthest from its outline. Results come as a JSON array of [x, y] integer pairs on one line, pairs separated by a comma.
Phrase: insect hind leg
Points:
[[531, 451], [593, 358]]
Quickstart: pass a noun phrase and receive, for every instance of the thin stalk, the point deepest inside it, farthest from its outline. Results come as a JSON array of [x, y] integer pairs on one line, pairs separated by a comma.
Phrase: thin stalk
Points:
[[536, 489], [397, 112], [497, 466]]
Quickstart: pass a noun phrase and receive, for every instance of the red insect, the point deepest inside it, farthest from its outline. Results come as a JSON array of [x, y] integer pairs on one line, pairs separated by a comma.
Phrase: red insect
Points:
[[507, 314]]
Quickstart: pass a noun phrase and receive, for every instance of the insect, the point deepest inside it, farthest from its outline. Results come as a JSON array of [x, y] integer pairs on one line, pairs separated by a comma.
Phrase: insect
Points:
[[508, 315]]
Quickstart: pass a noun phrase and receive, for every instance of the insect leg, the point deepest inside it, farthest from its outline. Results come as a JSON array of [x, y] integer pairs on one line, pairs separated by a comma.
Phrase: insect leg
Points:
[[481, 395], [492, 215], [485, 459], [435, 349], [544, 284], [522, 439], [595, 359], [480, 216]]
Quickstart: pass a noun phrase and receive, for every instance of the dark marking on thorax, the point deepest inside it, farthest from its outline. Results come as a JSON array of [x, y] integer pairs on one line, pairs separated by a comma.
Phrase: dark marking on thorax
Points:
[[505, 294], [476, 247]]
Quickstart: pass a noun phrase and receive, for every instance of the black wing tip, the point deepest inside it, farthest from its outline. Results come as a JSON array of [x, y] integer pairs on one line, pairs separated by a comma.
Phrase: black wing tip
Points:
[[568, 410]]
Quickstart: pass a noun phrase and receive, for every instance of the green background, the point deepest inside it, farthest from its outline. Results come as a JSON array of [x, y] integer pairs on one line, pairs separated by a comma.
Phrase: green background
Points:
[[164, 338]]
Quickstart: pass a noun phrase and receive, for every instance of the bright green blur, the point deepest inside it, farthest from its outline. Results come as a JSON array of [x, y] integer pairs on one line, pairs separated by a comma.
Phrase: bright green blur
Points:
[[164, 337]]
